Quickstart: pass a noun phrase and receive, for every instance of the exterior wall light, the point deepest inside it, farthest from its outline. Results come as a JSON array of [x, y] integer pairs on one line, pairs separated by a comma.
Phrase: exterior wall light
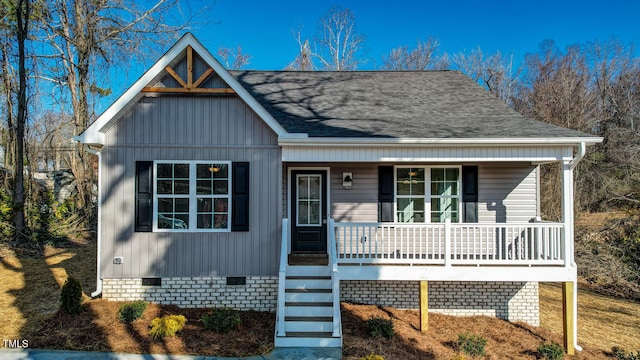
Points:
[[347, 180]]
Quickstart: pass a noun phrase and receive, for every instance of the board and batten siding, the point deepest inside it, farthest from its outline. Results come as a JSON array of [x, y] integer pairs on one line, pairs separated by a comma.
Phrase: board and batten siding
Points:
[[190, 128]]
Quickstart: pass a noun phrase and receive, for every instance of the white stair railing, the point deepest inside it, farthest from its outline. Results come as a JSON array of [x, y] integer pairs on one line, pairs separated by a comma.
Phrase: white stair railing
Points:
[[335, 279], [282, 277]]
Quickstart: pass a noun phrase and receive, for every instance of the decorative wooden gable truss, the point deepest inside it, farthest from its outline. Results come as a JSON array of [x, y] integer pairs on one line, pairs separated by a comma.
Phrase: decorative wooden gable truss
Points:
[[190, 86]]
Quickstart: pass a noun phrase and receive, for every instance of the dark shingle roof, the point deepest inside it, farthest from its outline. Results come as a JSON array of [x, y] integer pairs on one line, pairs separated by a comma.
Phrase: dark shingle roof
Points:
[[389, 104]]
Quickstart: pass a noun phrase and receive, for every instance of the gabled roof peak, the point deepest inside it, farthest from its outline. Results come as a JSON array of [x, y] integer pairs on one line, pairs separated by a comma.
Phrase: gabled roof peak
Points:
[[95, 133]]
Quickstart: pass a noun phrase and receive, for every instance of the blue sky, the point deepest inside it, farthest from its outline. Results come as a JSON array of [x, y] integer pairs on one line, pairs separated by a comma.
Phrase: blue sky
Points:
[[264, 28]]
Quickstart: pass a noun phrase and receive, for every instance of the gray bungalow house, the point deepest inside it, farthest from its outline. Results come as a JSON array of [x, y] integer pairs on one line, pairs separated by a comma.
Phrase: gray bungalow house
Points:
[[292, 191]]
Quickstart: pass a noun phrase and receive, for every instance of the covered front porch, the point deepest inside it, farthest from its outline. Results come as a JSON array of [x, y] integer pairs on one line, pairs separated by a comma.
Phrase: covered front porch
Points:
[[429, 215]]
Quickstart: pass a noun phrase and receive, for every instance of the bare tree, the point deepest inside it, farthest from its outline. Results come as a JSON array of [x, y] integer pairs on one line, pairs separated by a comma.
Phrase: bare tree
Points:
[[303, 61], [87, 37], [22, 16], [495, 72], [423, 57], [233, 59], [339, 42]]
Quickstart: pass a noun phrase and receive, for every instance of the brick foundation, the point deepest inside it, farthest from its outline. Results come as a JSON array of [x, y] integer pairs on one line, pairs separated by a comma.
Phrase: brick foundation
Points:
[[513, 301], [259, 293]]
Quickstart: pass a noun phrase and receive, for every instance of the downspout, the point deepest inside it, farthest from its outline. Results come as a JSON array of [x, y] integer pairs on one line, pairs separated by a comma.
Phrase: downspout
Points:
[[99, 235], [582, 149]]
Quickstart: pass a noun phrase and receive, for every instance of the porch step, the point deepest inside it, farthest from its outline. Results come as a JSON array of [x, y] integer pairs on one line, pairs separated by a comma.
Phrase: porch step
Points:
[[308, 326], [311, 304], [310, 334], [308, 259], [308, 308], [309, 318], [306, 271], [306, 342], [307, 311], [309, 283]]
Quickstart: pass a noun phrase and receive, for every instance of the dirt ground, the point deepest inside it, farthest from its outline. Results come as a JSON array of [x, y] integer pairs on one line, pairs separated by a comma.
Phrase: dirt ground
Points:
[[97, 328]]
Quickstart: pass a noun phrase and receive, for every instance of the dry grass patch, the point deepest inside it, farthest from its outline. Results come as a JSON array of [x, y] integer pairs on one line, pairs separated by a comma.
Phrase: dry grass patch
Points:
[[603, 322]]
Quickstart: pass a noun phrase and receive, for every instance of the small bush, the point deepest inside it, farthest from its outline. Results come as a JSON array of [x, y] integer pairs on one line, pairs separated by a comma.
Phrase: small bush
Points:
[[167, 325], [71, 296], [373, 357], [380, 327], [472, 345], [132, 311], [550, 351], [621, 354], [221, 320]]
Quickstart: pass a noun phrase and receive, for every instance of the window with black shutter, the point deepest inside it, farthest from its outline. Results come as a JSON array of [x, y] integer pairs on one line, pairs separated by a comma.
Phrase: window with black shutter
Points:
[[192, 196]]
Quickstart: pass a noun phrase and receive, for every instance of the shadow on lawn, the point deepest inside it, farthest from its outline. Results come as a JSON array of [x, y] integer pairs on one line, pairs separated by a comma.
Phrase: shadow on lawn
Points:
[[39, 277]]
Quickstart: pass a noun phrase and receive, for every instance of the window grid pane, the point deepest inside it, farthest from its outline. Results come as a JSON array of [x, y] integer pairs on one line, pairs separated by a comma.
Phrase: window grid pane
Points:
[[207, 204], [445, 194], [308, 200], [410, 190]]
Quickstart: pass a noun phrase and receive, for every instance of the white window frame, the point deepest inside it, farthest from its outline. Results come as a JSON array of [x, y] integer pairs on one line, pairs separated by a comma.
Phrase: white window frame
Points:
[[193, 196], [427, 191]]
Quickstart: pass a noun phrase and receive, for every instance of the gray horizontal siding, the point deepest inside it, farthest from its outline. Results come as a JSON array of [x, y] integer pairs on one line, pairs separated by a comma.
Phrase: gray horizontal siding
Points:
[[507, 192], [360, 203], [154, 130]]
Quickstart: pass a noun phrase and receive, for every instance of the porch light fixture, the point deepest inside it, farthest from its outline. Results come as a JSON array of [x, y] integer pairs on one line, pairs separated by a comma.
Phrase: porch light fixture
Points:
[[347, 180]]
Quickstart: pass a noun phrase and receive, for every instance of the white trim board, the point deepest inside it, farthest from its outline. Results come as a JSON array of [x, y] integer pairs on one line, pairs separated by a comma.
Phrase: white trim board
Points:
[[442, 154]]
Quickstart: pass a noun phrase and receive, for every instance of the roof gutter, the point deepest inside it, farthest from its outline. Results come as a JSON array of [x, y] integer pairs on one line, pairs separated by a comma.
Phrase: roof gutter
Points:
[[99, 233], [302, 140]]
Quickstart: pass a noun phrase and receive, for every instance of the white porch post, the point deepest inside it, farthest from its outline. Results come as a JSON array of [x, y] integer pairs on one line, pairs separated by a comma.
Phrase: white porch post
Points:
[[567, 211], [570, 289]]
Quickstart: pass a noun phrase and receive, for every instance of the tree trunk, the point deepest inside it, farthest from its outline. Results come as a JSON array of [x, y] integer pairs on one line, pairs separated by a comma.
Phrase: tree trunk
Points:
[[7, 83], [22, 17]]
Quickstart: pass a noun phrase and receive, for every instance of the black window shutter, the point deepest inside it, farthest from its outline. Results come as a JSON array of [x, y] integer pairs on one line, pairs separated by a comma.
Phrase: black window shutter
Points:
[[144, 196], [470, 194], [240, 196], [385, 193]]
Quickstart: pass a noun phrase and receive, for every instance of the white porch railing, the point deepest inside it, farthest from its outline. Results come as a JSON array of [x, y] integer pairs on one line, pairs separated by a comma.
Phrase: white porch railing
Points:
[[449, 244]]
